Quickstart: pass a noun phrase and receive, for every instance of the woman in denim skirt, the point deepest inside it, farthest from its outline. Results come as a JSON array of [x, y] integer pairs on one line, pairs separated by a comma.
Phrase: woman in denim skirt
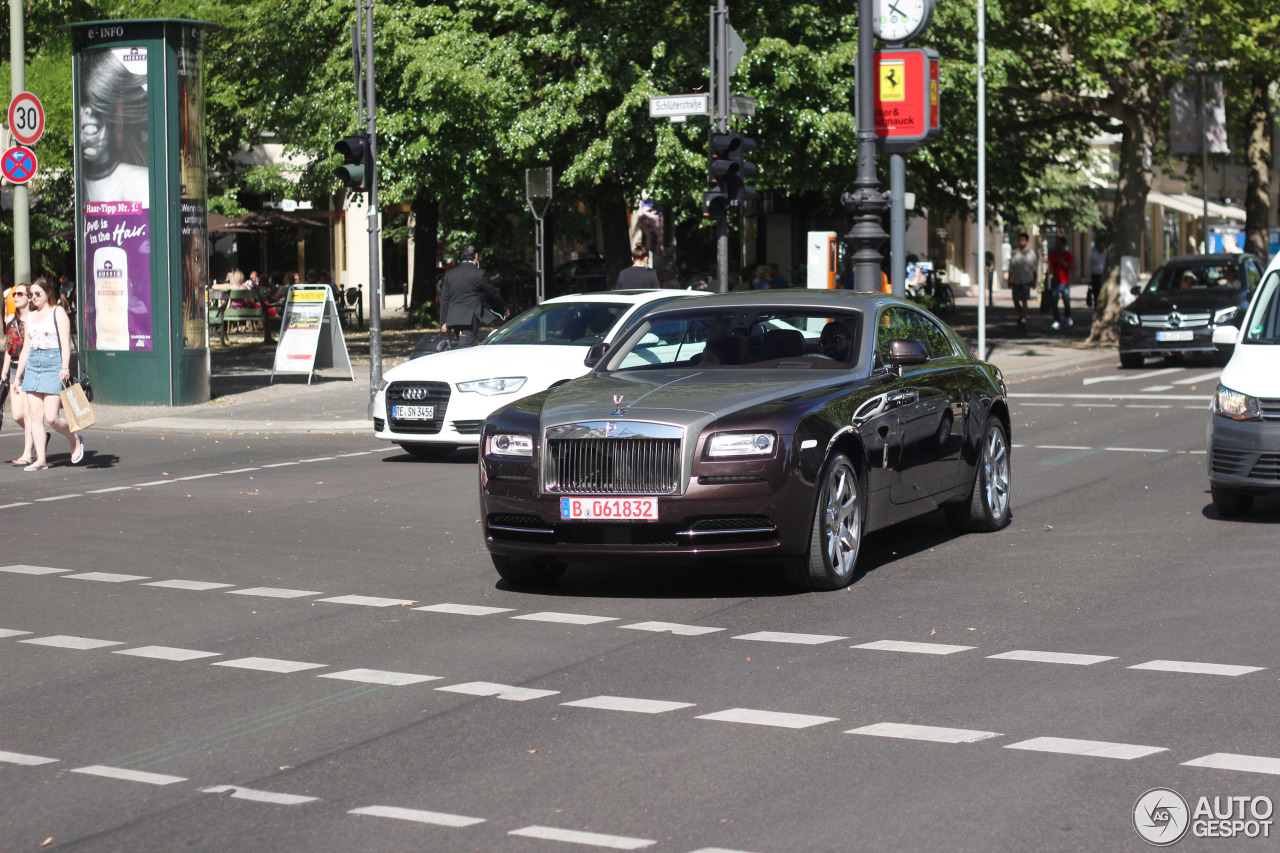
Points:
[[45, 364]]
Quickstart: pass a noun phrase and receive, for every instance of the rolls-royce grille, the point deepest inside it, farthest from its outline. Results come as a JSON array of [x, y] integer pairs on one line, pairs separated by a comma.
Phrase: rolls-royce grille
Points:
[[434, 394], [609, 466]]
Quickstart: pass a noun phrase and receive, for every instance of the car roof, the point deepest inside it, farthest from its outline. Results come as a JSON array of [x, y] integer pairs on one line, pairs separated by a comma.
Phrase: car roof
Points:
[[630, 297], [1200, 260], [797, 297]]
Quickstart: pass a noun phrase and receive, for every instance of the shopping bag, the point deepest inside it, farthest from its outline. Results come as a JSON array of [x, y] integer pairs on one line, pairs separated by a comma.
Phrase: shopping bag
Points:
[[79, 413], [1046, 301]]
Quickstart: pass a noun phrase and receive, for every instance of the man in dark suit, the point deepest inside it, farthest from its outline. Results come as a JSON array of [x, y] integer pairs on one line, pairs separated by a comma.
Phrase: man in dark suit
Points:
[[463, 294]]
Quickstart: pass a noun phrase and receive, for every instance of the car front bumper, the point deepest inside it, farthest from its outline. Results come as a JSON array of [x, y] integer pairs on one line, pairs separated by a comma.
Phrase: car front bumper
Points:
[[1244, 455], [1140, 339], [457, 422]]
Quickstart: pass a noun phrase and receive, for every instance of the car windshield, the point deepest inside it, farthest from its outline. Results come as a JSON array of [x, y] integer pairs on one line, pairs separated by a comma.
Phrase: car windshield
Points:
[[1195, 277], [1264, 323], [561, 323], [746, 338]]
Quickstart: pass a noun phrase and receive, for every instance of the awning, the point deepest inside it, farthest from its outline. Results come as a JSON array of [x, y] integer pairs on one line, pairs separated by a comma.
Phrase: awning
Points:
[[1192, 206]]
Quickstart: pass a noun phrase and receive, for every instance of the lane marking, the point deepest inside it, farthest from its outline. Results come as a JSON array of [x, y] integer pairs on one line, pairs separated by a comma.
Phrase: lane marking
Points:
[[767, 718], [1194, 668], [9, 632], [32, 570], [499, 691], [1061, 447], [60, 641], [784, 637], [105, 577], [273, 592], [153, 483], [590, 839], [269, 664], [238, 793], [1094, 748], [1203, 377], [318, 459], [566, 618], [1052, 657], [27, 760], [1045, 405], [59, 498], [1098, 405], [239, 471], [1157, 388], [1233, 761], [367, 601], [934, 734], [1018, 397], [129, 775], [717, 850], [281, 464], [19, 503], [1093, 380], [1136, 449], [380, 676], [1150, 406], [622, 703], [110, 489], [194, 585], [913, 648], [465, 609], [357, 453], [166, 653], [199, 476], [456, 821], [672, 627]]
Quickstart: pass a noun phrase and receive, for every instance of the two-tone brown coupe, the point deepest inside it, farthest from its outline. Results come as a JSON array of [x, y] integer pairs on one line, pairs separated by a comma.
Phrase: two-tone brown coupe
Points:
[[778, 425]]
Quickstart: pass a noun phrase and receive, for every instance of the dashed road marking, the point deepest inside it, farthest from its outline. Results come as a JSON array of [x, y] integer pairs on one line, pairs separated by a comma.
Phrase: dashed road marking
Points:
[[1043, 405], [672, 627], [367, 601], [590, 839], [456, 821], [32, 570], [60, 641], [1151, 389], [199, 476], [1197, 668], [913, 648], [269, 664], [1061, 447], [318, 459], [566, 618], [498, 691], [935, 734], [166, 653], [245, 470], [129, 775], [10, 632], [273, 592], [19, 503], [109, 489], [1094, 748], [1150, 406], [1136, 449], [192, 585], [622, 703], [59, 497], [153, 483], [767, 718], [381, 676], [239, 793], [105, 577], [784, 637], [281, 464], [465, 609], [1195, 380], [26, 760], [1052, 657], [1232, 761]]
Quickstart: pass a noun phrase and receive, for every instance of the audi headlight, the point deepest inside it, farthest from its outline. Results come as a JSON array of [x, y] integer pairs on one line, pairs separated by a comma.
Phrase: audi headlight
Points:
[[727, 444], [1129, 318], [490, 387], [1234, 405], [509, 445], [1226, 315]]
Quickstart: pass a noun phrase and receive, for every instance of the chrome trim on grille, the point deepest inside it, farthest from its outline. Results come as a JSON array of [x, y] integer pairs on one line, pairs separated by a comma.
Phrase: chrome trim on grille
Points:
[[613, 458], [615, 429]]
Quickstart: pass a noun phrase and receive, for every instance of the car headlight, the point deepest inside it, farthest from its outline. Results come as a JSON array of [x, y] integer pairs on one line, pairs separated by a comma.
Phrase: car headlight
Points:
[[507, 444], [741, 444], [1225, 315], [1234, 405], [1129, 318], [490, 387]]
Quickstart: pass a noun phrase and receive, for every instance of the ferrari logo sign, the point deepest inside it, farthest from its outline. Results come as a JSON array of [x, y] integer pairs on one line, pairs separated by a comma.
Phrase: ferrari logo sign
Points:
[[906, 98], [893, 80]]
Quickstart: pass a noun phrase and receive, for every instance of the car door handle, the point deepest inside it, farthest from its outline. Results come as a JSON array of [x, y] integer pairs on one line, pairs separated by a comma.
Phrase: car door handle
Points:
[[902, 398]]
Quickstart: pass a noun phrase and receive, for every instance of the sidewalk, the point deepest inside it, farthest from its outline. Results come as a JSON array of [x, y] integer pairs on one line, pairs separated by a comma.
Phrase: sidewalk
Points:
[[245, 401]]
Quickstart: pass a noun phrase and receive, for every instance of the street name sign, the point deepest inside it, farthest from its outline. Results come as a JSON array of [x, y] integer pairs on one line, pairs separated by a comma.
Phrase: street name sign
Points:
[[667, 106], [310, 312], [742, 105], [26, 118], [18, 165]]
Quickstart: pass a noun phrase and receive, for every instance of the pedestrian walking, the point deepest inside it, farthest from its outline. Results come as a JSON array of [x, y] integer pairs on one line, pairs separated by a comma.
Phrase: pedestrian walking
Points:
[[776, 278], [14, 336], [1061, 262], [43, 368], [1097, 263], [638, 276], [1024, 269], [463, 294]]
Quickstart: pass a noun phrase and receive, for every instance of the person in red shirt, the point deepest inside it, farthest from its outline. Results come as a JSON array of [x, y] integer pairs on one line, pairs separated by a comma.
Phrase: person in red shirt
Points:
[[1061, 262]]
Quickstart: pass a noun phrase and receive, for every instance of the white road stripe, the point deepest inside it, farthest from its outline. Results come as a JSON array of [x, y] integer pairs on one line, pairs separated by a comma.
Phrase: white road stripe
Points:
[[1194, 380], [19, 503], [914, 648], [1095, 748], [1122, 377], [357, 453], [129, 775], [622, 703], [32, 570], [194, 585], [465, 609], [1046, 405], [566, 618], [59, 497], [9, 632], [1061, 447], [767, 718], [1096, 405], [111, 489], [1150, 406], [198, 476], [105, 577], [152, 483], [1137, 449], [1197, 668], [166, 653], [936, 734], [1018, 398], [238, 471], [59, 641], [1150, 389], [281, 464], [500, 691], [318, 459], [456, 821], [380, 676], [368, 601], [1052, 657], [269, 664], [783, 637], [717, 850], [28, 760], [238, 793], [1232, 761], [273, 592], [591, 839], [672, 627]]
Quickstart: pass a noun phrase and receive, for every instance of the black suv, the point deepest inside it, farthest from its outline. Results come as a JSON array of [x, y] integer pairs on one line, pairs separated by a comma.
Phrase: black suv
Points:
[[1182, 303]]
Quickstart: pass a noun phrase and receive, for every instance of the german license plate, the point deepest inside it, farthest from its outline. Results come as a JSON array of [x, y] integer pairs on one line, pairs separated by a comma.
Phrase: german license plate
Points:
[[1183, 335], [615, 509], [413, 413]]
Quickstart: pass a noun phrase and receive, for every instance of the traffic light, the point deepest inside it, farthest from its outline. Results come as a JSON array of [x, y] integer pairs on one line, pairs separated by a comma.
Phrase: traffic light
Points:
[[356, 171], [728, 168]]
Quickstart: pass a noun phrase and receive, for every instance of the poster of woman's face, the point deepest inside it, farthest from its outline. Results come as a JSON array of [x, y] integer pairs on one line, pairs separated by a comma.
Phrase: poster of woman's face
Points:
[[112, 125]]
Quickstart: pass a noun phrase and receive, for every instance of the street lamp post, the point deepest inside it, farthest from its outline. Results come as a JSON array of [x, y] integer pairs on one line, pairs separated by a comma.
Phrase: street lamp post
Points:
[[867, 204]]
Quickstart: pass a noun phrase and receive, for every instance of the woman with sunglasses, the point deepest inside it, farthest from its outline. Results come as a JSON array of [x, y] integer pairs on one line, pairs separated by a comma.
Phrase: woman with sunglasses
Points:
[[45, 364], [14, 335]]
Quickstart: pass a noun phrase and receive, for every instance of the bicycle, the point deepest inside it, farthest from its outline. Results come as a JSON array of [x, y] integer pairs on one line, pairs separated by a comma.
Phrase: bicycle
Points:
[[941, 298]]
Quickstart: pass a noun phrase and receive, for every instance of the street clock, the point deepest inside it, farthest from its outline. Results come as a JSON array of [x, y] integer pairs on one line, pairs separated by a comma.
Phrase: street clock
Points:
[[900, 21]]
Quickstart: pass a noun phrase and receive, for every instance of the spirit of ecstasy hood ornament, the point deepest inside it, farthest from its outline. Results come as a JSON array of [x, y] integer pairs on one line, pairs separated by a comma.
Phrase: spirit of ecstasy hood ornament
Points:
[[617, 401]]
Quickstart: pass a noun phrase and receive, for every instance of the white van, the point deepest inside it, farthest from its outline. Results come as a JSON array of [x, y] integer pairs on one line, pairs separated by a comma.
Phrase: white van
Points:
[[1244, 428]]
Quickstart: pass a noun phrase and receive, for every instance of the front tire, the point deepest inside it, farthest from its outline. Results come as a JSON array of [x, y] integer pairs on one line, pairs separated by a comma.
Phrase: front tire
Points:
[[1230, 503], [536, 572], [989, 505], [836, 534]]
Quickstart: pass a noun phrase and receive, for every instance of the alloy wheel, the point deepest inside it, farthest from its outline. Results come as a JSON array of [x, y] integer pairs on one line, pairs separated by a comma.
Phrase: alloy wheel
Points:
[[842, 527]]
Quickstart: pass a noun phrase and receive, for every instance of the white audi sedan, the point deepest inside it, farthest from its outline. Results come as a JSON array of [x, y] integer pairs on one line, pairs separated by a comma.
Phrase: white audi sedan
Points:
[[436, 403]]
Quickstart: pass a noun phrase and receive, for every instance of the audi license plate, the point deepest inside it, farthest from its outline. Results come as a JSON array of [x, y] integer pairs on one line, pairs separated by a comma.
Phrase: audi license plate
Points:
[[617, 509], [413, 413], [1185, 335]]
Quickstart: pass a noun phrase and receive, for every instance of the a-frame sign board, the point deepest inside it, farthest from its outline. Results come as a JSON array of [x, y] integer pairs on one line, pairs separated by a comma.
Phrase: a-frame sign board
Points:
[[310, 333]]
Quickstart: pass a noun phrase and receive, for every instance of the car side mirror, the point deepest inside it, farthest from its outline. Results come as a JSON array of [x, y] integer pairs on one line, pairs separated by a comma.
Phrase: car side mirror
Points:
[[595, 354], [904, 352], [1225, 336], [1135, 291]]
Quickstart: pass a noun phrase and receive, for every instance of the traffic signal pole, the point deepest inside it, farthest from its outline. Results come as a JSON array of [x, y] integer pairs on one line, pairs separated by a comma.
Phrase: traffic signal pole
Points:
[[21, 198], [375, 271]]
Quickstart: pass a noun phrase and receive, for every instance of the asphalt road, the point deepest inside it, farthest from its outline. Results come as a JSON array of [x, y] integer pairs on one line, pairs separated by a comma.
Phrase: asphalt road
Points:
[[232, 643]]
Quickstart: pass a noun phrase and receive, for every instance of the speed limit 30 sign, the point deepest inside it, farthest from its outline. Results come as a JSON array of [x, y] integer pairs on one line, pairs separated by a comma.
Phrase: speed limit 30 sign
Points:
[[26, 118]]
